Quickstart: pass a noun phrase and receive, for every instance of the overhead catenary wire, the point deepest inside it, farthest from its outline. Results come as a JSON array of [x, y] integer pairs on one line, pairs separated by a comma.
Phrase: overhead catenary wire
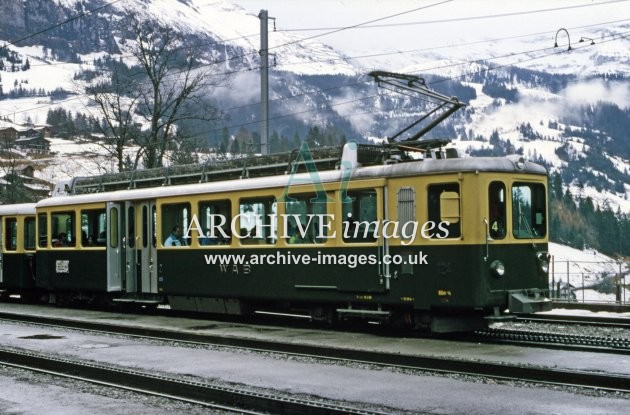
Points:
[[445, 79], [456, 19]]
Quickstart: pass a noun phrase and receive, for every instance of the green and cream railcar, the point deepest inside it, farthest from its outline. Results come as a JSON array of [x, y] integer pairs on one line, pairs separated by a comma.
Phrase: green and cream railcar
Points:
[[439, 243], [17, 250]]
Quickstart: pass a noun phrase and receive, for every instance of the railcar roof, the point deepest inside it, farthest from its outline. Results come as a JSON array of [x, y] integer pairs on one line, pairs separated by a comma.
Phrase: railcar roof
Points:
[[419, 168], [17, 209]]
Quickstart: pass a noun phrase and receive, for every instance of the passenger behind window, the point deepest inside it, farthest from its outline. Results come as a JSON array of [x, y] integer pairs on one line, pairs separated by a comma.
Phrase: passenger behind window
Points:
[[209, 239], [174, 238], [62, 240]]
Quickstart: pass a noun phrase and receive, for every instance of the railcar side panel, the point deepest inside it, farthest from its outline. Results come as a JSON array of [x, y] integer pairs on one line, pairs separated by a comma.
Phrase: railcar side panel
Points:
[[18, 272], [75, 270]]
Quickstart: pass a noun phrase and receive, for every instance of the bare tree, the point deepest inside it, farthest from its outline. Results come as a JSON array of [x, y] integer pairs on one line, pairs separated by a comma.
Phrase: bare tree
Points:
[[167, 88], [116, 103]]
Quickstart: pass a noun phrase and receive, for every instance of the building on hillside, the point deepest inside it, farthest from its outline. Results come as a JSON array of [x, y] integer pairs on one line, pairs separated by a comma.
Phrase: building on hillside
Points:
[[21, 179], [35, 144], [8, 135]]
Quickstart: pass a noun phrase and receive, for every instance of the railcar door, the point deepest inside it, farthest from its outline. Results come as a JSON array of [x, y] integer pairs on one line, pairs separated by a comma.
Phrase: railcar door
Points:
[[131, 254], [365, 250], [140, 276], [115, 249], [146, 247]]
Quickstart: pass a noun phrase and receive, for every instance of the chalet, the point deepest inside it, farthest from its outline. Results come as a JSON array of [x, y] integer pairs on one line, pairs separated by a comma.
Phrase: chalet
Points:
[[34, 188], [36, 144], [8, 135]]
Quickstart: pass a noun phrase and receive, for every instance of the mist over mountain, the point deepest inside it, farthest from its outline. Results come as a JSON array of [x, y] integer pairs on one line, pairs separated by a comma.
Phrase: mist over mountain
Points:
[[566, 109]]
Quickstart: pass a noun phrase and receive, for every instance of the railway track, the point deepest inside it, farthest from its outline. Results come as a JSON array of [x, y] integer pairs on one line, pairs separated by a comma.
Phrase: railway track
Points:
[[554, 340], [495, 370], [200, 393]]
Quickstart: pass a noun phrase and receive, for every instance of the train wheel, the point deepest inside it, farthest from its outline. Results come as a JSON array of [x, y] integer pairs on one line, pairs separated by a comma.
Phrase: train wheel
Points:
[[325, 315]]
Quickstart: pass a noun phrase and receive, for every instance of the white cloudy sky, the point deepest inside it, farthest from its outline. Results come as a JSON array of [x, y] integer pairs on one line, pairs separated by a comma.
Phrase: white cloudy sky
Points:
[[435, 22]]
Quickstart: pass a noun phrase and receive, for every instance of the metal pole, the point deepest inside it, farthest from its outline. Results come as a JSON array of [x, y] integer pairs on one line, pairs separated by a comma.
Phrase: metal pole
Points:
[[553, 275], [568, 281], [264, 81], [622, 281]]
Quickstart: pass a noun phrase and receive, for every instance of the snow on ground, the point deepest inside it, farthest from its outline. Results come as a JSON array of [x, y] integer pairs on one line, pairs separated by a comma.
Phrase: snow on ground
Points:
[[577, 312], [586, 268], [36, 108], [71, 158]]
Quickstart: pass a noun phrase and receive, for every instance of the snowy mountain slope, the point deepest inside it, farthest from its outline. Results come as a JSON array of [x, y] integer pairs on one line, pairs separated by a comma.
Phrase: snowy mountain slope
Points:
[[312, 84]]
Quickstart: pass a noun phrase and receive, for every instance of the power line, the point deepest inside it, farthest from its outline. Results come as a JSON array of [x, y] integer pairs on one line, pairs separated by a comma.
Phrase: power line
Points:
[[455, 19], [615, 37], [339, 29], [400, 52], [344, 58]]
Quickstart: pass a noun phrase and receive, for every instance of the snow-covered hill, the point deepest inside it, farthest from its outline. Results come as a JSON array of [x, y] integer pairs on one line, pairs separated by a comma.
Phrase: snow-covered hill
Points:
[[535, 98]]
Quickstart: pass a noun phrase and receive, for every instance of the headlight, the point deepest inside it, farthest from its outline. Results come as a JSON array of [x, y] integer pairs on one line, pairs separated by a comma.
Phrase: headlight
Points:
[[497, 267], [544, 267], [543, 262]]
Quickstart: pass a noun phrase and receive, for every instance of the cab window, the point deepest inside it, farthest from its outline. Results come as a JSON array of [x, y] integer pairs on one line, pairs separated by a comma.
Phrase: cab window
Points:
[[496, 210], [529, 210]]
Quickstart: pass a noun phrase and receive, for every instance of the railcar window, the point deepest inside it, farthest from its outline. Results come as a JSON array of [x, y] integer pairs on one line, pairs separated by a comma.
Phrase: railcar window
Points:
[[63, 229], [113, 227], [10, 234], [29, 234], [215, 218], [175, 221], [130, 237], [529, 210], [303, 218], [154, 225], [42, 228], [496, 210], [258, 221], [443, 211], [93, 227], [360, 222], [145, 230], [406, 206]]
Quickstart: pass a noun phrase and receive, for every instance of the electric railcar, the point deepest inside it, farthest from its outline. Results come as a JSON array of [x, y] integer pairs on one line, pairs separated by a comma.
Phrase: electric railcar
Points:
[[17, 250], [439, 244]]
